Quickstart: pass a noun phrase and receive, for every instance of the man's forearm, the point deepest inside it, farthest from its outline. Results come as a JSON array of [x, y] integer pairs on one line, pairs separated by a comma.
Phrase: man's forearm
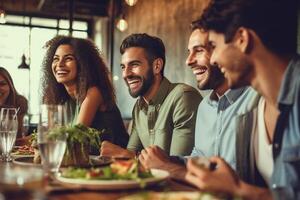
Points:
[[250, 192], [177, 171], [128, 153]]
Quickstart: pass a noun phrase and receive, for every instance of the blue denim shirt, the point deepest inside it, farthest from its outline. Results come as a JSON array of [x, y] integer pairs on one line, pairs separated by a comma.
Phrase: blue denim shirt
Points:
[[285, 181], [215, 133]]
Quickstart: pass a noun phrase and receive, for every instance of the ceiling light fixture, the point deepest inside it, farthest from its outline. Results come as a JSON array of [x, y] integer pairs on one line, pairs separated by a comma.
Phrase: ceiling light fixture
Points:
[[131, 2], [122, 24], [23, 64], [2, 16]]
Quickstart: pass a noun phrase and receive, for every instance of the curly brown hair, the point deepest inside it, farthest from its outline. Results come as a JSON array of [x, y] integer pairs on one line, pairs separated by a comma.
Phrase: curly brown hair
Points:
[[91, 69]]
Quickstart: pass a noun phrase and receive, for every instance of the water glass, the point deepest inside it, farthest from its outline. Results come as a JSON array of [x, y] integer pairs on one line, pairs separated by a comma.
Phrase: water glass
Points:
[[26, 125], [8, 131], [20, 182], [51, 145]]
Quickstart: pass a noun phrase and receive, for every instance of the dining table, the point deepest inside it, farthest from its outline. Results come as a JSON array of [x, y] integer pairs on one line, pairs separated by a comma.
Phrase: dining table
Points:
[[53, 190], [166, 186]]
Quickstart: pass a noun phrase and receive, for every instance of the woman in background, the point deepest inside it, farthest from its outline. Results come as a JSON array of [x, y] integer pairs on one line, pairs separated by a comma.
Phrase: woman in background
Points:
[[76, 75], [10, 97]]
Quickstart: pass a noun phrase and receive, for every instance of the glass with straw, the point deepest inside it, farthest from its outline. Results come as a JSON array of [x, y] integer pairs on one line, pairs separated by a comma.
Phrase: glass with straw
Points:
[[8, 131]]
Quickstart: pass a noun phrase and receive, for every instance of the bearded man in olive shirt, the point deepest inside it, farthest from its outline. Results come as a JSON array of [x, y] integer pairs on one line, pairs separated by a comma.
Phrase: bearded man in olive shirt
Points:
[[165, 113]]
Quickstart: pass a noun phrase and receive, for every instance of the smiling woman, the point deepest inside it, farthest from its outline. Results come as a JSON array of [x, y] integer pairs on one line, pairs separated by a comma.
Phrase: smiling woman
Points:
[[10, 97], [75, 74], [64, 65]]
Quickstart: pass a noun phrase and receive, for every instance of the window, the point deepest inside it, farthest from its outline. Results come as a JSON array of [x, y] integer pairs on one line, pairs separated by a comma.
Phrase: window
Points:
[[18, 37]]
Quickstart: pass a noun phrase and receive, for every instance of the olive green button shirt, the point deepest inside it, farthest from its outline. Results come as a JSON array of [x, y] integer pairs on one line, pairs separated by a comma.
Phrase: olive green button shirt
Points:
[[168, 121]]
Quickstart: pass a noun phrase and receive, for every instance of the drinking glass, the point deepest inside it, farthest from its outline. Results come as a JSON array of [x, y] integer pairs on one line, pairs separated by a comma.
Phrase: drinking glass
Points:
[[26, 125], [21, 182], [8, 131], [51, 144]]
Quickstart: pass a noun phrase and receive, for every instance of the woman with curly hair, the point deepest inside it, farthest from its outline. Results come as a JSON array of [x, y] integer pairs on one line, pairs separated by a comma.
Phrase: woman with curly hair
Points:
[[75, 74], [10, 97]]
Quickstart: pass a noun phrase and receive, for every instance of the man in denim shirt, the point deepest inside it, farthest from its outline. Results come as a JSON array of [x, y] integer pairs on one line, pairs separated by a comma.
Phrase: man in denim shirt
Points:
[[254, 44]]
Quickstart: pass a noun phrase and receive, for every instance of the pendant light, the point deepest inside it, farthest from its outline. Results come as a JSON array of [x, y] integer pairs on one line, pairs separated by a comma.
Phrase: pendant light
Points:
[[131, 2], [23, 64], [2, 14], [122, 24]]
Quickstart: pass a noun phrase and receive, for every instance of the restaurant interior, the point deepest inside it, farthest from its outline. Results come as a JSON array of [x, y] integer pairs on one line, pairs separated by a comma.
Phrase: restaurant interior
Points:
[[30, 23], [26, 26]]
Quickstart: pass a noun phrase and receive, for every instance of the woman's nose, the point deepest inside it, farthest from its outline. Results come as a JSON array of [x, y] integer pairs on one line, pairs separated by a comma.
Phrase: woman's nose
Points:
[[61, 63]]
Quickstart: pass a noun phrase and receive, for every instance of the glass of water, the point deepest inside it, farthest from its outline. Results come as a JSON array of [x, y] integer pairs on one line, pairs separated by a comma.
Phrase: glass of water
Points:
[[8, 131], [51, 143], [21, 182]]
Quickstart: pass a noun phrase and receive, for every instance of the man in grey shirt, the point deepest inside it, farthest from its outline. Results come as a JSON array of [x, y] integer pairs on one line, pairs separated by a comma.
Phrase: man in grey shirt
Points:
[[215, 133]]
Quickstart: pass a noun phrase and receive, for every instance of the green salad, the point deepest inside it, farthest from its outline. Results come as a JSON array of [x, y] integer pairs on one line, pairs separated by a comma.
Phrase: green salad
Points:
[[80, 140], [78, 133]]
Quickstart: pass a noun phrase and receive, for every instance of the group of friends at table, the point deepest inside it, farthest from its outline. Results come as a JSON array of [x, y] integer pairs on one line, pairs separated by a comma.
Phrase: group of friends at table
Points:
[[244, 51]]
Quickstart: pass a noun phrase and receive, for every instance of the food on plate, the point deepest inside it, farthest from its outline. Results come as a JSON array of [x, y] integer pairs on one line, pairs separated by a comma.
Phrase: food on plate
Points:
[[26, 149], [118, 170], [23, 150], [33, 144]]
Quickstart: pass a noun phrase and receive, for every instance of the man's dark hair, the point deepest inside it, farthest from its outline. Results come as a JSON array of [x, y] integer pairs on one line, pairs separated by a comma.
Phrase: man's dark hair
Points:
[[153, 46], [196, 25], [274, 21]]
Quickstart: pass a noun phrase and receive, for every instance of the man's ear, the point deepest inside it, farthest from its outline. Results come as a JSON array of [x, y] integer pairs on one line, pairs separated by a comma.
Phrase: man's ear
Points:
[[243, 40], [158, 65]]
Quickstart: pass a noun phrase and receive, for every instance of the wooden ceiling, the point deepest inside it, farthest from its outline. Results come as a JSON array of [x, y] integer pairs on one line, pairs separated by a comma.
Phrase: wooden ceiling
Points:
[[57, 8]]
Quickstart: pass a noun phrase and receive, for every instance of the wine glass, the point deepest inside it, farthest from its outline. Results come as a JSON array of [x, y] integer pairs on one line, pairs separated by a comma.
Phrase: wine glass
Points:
[[50, 138], [8, 131]]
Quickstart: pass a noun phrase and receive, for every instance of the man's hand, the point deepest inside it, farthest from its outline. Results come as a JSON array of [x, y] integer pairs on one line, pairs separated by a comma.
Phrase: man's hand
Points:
[[112, 150], [222, 179], [154, 157]]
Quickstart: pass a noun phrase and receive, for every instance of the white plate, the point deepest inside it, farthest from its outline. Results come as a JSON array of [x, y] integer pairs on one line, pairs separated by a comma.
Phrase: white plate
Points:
[[28, 160], [159, 175], [171, 196], [25, 161], [14, 155]]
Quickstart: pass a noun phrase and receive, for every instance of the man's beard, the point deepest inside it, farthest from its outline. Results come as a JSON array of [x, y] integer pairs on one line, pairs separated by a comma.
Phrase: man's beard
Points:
[[243, 71], [147, 82], [215, 79]]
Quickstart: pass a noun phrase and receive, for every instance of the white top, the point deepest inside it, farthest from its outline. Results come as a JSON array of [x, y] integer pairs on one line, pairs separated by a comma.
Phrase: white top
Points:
[[262, 146]]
